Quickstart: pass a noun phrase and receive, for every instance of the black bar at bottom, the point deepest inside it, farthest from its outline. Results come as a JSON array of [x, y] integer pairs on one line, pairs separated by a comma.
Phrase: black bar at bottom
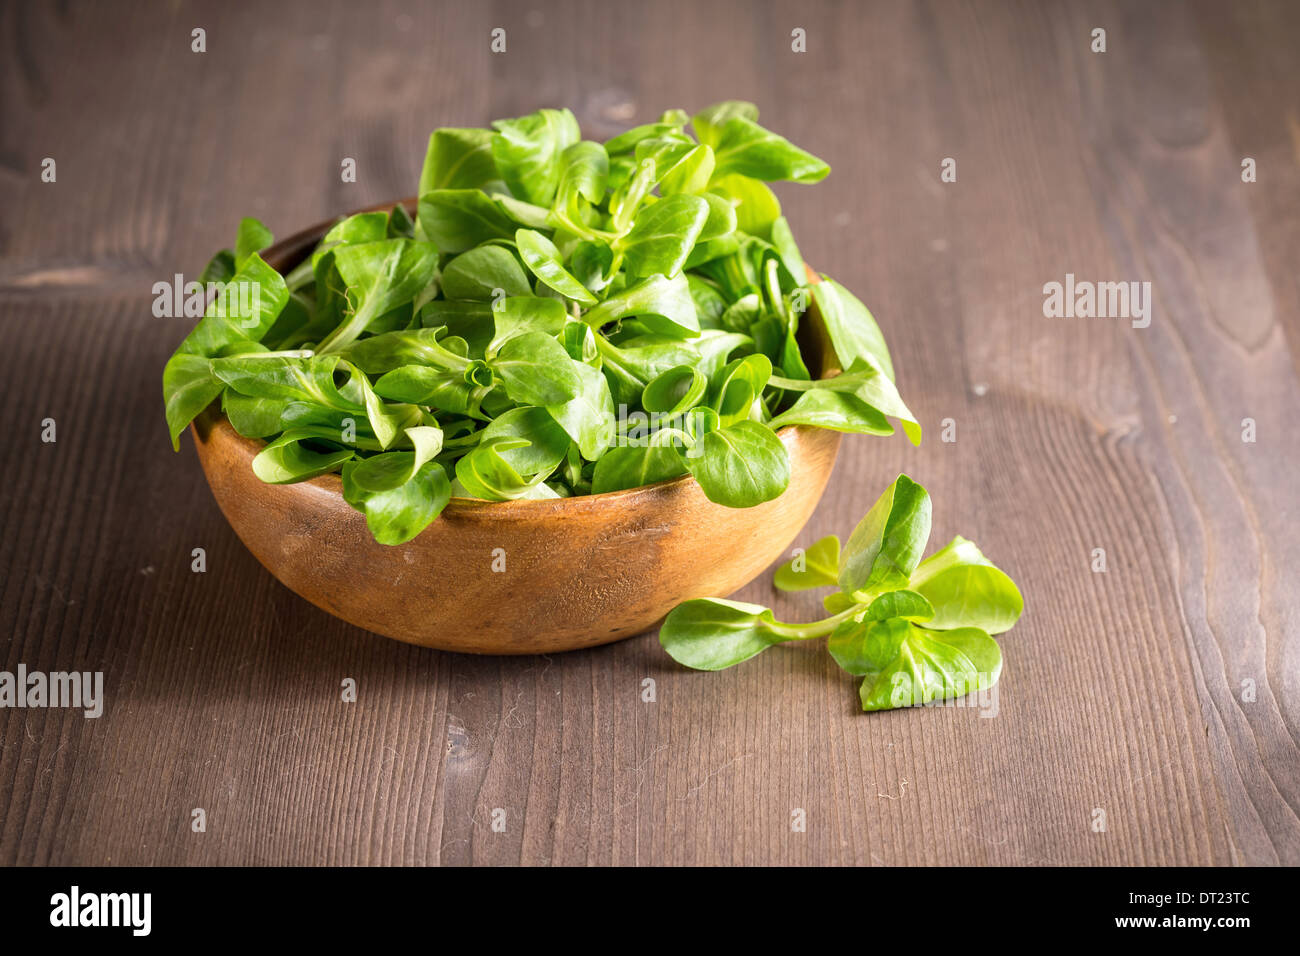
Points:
[[923, 907]]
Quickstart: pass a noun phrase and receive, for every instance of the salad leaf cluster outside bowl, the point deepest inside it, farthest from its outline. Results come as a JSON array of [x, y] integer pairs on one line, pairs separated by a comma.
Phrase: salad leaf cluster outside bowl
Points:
[[526, 576]]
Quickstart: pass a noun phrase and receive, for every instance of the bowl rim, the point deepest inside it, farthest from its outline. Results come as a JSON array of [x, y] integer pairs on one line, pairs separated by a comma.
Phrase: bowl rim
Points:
[[303, 241]]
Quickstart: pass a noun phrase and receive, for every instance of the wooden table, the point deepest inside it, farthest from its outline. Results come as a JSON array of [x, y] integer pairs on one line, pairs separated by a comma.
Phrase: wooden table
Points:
[[1164, 693]]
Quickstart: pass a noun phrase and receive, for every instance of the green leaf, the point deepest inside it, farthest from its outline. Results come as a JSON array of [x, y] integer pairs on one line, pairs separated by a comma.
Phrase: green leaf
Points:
[[690, 174], [630, 369], [252, 238], [438, 388], [285, 378], [722, 221], [400, 224], [736, 273], [480, 272], [852, 329], [966, 590], [397, 515], [837, 602], [710, 634], [709, 302], [901, 603], [380, 276], [188, 388], [671, 121], [632, 466], [663, 235], [386, 421], [545, 442], [458, 159], [792, 259], [543, 259], [288, 459], [837, 411], [740, 466], [252, 417], [455, 220], [591, 263], [905, 665], [585, 176], [708, 122], [886, 545], [862, 647], [242, 312], [311, 380], [382, 353], [527, 151], [909, 649], [867, 382], [519, 314], [220, 268], [351, 230], [666, 152], [535, 370], [747, 149], [818, 567], [655, 297], [484, 472], [541, 287], [711, 250], [716, 346], [588, 418], [757, 207], [471, 322], [393, 469], [628, 197], [339, 426], [739, 386], [674, 391], [580, 342], [586, 171], [870, 384]]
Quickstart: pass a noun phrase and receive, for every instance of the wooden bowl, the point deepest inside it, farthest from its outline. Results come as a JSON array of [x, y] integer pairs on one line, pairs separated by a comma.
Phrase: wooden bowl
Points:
[[577, 572]]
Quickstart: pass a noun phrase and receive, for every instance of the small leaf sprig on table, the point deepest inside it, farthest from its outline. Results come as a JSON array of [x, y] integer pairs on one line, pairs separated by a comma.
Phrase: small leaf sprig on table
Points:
[[484, 347], [915, 631]]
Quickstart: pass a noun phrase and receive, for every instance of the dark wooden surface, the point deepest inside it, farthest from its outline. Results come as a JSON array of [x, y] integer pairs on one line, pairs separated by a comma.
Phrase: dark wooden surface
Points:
[[1122, 691]]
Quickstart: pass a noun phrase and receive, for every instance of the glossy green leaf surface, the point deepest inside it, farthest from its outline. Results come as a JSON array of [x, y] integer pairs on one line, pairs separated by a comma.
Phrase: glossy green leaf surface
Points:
[[887, 544], [742, 465], [816, 567], [966, 589], [711, 633], [916, 632], [572, 316]]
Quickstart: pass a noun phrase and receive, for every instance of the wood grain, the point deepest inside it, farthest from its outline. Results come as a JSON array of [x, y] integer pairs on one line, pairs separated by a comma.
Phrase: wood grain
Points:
[[1126, 692]]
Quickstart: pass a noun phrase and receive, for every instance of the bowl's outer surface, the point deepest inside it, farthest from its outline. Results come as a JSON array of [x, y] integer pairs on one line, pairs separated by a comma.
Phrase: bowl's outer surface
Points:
[[516, 577]]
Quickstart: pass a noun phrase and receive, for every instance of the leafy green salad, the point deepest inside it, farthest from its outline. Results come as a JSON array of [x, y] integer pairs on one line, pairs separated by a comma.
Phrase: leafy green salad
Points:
[[559, 317], [915, 631]]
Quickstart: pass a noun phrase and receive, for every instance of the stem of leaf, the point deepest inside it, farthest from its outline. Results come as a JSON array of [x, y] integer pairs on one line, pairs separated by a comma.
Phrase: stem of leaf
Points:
[[282, 353], [300, 276], [351, 328], [793, 384], [805, 632]]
